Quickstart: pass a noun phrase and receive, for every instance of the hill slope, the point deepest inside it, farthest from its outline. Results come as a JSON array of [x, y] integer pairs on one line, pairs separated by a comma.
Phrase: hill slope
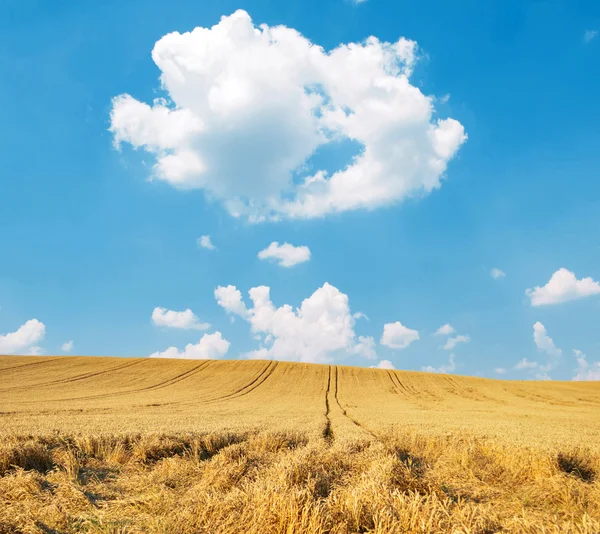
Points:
[[80, 394]]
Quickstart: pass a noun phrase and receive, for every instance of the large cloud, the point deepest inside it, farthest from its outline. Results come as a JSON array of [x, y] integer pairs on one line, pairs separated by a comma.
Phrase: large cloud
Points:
[[210, 347], [24, 340], [247, 107], [320, 330], [562, 287]]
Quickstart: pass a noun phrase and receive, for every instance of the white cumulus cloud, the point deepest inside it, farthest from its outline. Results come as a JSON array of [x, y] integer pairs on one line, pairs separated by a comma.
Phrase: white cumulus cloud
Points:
[[186, 319], [230, 299], [210, 347], [246, 107], [562, 287], [24, 340], [397, 336], [448, 368], [500, 371], [383, 364], [453, 341], [585, 370], [445, 330], [67, 346], [496, 273], [320, 330], [205, 242], [286, 255]]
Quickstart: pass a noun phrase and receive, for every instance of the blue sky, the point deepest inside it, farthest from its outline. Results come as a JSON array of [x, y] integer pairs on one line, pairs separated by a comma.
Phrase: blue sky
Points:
[[94, 238]]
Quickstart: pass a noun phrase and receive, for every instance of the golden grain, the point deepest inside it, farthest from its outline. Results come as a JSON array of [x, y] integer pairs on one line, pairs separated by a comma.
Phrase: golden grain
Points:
[[108, 445]]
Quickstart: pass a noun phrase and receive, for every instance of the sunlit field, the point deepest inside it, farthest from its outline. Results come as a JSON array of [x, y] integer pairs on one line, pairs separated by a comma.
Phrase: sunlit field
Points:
[[148, 445]]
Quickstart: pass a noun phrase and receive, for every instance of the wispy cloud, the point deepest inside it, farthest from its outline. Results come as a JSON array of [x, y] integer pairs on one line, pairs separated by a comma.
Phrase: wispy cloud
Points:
[[526, 364], [453, 341], [589, 35], [543, 341], [585, 370], [447, 368], [496, 273]]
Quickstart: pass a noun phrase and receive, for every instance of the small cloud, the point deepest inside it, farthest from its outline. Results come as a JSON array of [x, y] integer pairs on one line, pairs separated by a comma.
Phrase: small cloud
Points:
[[383, 364], [185, 320], [453, 341], [496, 273], [360, 315], [445, 330], [24, 340], [542, 376], [286, 255], [210, 347], [500, 371], [397, 336], [562, 287], [589, 35], [585, 370], [67, 346], [526, 364], [444, 99], [451, 366], [205, 242]]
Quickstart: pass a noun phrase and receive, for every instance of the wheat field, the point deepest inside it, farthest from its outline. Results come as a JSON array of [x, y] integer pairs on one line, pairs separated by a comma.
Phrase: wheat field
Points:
[[123, 445]]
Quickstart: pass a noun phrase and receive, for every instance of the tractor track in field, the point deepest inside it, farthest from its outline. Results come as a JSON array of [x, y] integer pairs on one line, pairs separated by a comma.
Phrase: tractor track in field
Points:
[[76, 378], [180, 377], [327, 430], [248, 388], [165, 383], [354, 421], [411, 394], [29, 364], [400, 388]]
